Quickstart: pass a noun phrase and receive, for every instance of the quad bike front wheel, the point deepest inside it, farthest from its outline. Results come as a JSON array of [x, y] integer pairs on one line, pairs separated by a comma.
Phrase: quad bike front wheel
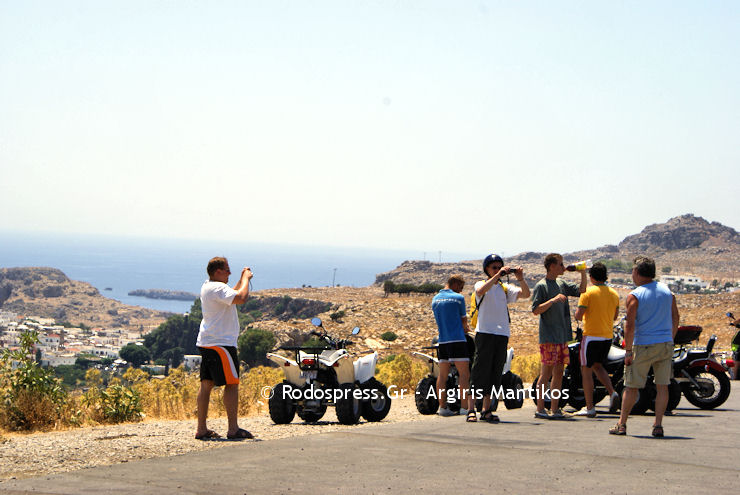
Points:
[[378, 404], [426, 396], [348, 404], [282, 409], [517, 386]]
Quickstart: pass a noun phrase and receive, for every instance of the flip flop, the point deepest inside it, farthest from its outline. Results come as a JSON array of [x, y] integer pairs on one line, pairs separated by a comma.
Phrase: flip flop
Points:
[[208, 435], [241, 434]]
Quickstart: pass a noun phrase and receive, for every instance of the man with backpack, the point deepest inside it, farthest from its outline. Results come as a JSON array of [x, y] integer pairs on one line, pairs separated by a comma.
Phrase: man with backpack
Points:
[[490, 308]]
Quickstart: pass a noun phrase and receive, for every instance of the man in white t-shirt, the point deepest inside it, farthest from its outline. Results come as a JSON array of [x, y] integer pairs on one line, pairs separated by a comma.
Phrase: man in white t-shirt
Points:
[[216, 342], [492, 331]]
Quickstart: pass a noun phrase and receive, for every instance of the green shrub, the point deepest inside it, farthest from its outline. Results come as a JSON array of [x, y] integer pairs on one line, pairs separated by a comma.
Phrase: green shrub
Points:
[[387, 359], [135, 354], [389, 336], [31, 397], [114, 404], [426, 288], [253, 344], [337, 315]]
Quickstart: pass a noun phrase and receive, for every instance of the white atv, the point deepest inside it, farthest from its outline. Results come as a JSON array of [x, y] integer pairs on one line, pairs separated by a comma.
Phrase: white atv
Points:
[[323, 376], [426, 389]]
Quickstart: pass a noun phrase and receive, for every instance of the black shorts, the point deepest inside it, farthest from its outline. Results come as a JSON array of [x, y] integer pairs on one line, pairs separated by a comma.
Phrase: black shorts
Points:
[[453, 351], [595, 351], [220, 365]]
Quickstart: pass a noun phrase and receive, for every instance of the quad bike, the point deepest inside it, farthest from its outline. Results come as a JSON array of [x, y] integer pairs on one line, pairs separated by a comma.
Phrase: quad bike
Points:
[[426, 390], [325, 376]]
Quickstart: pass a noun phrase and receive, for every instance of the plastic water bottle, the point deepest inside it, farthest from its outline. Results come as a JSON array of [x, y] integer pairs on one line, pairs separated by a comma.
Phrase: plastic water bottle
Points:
[[579, 267]]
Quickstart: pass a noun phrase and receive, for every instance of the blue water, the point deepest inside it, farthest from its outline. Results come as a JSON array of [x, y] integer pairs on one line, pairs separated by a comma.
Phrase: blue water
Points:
[[125, 264]]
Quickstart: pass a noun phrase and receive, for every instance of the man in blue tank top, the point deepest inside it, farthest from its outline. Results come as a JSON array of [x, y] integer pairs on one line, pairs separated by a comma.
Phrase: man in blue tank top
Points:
[[651, 325]]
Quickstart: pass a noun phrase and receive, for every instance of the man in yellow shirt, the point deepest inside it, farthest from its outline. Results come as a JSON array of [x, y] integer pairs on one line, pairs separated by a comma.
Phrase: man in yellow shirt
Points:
[[598, 307]]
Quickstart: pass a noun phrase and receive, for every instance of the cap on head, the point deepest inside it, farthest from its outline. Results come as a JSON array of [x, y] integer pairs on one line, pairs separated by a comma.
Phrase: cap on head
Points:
[[490, 259]]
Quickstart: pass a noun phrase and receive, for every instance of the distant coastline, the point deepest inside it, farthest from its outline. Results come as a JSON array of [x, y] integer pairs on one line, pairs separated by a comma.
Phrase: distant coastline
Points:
[[175, 295]]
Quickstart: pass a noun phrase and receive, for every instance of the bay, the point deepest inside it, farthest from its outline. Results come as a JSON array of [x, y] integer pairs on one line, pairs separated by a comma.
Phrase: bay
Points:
[[123, 264]]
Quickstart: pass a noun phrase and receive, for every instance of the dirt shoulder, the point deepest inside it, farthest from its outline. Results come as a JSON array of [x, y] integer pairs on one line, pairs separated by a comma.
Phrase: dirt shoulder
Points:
[[35, 454]]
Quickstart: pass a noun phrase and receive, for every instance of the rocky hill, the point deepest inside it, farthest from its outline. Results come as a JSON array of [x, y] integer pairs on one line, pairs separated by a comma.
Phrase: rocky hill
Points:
[[410, 318], [49, 293], [688, 244]]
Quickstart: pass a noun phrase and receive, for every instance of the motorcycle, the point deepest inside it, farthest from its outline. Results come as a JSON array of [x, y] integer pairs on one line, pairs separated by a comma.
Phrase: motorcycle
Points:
[[702, 378], [426, 390], [325, 376]]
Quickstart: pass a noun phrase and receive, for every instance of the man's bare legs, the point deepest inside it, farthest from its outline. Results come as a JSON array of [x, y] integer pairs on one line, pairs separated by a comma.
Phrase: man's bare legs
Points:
[[203, 400]]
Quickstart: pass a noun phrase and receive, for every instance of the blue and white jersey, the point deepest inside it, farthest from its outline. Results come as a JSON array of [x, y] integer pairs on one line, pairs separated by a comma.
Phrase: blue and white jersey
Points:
[[449, 309]]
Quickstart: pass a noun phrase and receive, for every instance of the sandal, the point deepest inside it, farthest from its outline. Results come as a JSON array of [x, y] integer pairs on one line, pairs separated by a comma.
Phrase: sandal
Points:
[[208, 435], [241, 434], [657, 431], [471, 417], [489, 417], [618, 429]]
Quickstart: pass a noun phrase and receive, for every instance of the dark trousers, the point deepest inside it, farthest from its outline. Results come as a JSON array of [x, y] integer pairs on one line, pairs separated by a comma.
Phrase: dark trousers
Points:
[[488, 365]]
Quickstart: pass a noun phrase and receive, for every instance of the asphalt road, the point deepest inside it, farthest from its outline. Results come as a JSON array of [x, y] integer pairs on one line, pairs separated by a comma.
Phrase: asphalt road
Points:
[[521, 454]]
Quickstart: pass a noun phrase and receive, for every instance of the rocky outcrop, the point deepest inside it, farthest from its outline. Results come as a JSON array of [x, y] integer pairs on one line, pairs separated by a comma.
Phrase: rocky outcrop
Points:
[[684, 232], [687, 244], [49, 293], [176, 295]]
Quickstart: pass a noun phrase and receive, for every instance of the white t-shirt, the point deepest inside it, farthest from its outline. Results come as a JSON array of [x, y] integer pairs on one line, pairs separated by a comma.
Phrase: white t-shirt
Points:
[[220, 324], [493, 316]]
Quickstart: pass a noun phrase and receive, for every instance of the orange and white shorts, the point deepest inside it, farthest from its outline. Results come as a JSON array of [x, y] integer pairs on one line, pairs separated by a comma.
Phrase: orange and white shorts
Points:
[[220, 365]]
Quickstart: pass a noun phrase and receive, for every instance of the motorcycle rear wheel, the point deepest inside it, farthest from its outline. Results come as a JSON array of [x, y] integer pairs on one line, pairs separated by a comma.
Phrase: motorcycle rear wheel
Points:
[[642, 403], [715, 388]]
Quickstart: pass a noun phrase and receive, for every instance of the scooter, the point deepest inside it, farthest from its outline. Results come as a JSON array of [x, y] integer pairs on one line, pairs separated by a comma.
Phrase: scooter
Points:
[[323, 376], [426, 390], [702, 378]]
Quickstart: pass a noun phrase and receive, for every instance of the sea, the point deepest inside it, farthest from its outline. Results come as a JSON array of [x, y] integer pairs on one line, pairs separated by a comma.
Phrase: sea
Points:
[[118, 265]]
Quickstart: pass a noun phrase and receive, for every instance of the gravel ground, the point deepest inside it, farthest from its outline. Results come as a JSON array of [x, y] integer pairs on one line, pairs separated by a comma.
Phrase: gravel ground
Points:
[[26, 455]]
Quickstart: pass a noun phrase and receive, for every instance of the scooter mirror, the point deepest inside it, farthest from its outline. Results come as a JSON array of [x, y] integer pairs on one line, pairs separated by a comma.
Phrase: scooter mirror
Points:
[[316, 321], [355, 330]]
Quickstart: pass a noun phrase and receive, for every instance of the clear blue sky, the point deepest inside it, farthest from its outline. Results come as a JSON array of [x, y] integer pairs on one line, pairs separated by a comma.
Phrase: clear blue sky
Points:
[[453, 126]]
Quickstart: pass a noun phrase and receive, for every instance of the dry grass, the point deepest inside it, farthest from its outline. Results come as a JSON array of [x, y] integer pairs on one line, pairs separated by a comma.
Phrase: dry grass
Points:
[[527, 367], [403, 372], [174, 397]]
